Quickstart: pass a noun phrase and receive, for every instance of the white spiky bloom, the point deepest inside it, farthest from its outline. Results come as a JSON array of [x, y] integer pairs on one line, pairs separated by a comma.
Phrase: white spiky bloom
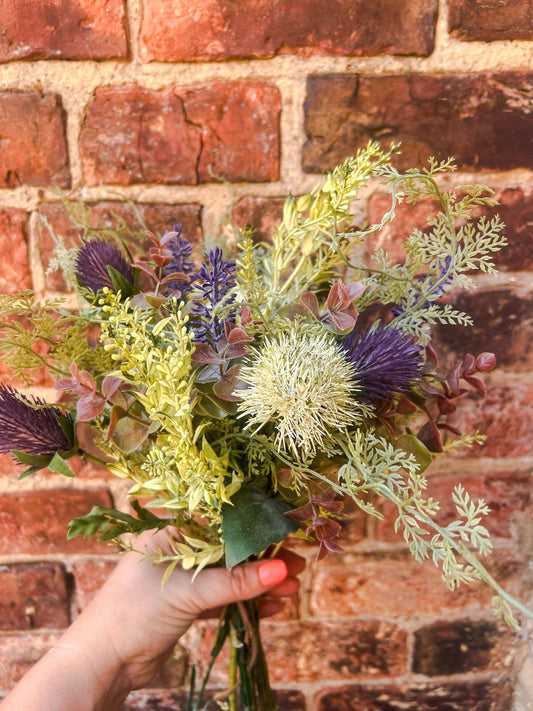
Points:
[[303, 384]]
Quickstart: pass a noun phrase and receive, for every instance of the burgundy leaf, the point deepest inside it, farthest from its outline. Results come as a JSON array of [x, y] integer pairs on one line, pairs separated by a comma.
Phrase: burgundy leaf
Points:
[[204, 353], [485, 361], [430, 436], [310, 303], [89, 407]]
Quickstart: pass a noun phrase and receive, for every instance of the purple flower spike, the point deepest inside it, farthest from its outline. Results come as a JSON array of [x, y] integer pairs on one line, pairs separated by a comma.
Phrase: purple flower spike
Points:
[[214, 281], [92, 264], [385, 360], [34, 431], [181, 250]]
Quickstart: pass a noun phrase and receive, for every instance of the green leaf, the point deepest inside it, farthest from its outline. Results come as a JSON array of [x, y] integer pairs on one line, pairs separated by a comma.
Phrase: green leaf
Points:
[[110, 523], [412, 445], [129, 434], [59, 465], [120, 283], [35, 460], [29, 472], [252, 522]]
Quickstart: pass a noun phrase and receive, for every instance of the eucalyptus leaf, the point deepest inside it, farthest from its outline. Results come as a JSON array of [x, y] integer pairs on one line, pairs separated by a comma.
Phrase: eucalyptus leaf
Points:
[[252, 522]]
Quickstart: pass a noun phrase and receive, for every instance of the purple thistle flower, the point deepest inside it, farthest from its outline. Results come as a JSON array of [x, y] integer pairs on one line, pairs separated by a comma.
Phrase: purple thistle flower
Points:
[[385, 360], [30, 430], [214, 281], [92, 264], [181, 250]]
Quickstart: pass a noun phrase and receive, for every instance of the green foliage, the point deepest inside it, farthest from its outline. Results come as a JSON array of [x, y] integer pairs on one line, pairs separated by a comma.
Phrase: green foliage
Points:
[[252, 522], [110, 523]]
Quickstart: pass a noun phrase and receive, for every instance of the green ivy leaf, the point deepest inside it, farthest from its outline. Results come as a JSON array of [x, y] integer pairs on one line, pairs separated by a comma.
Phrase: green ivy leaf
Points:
[[252, 522]]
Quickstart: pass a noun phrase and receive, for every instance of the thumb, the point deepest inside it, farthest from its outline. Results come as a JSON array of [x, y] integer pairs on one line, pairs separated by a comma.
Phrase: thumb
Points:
[[219, 586]]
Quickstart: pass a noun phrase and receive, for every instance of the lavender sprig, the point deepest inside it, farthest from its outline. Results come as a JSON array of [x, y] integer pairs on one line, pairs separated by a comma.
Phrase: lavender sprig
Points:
[[214, 281], [181, 250]]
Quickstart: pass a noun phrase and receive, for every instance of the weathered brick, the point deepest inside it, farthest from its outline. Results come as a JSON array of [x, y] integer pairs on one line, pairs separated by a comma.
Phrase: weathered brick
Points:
[[262, 214], [63, 29], [486, 695], [33, 595], [318, 650], [33, 150], [19, 654], [14, 265], [393, 586], [89, 576], [492, 20], [459, 646], [158, 217], [503, 325], [175, 30], [132, 135], [36, 521], [515, 208], [505, 416], [481, 119]]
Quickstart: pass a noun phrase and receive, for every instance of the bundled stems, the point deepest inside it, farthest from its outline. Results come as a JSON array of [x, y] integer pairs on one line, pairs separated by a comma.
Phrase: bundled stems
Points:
[[249, 685]]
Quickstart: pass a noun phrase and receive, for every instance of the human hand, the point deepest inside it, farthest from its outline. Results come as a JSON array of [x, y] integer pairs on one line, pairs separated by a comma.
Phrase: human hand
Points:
[[143, 621], [122, 639]]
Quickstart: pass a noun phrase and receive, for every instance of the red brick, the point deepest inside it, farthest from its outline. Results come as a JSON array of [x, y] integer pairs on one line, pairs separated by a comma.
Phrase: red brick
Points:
[[133, 135], [505, 416], [395, 233], [286, 700], [492, 20], [395, 586], [158, 217], [316, 650], [89, 576], [176, 30], [481, 119], [19, 654], [36, 521], [33, 595], [515, 209], [14, 265], [262, 214], [33, 150], [485, 695], [503, 325], [460, 646], [63, 29]]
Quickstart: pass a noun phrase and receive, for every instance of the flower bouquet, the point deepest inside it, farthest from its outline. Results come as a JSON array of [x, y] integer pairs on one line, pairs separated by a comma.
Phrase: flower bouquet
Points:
[[249, 398]]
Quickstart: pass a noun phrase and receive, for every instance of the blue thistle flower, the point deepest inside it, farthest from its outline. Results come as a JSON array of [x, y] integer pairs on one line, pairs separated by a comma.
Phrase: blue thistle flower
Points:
[[181, 250], [100, 264], [213, 283], [385, 361], [30, 430]]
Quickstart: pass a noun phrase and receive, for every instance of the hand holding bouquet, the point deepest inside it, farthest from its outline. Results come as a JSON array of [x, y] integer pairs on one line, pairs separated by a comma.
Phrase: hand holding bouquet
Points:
[[249, 398]]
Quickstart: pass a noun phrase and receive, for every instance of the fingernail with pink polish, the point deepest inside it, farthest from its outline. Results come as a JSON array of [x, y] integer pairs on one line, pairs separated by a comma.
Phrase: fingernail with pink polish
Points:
[[272, 572]]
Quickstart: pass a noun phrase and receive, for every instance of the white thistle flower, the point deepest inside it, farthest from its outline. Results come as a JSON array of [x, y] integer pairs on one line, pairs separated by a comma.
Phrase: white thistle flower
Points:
[[302, 384]]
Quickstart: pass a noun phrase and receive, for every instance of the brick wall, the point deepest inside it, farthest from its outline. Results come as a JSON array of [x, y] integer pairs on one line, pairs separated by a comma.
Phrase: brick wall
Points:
[[98, 96]]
